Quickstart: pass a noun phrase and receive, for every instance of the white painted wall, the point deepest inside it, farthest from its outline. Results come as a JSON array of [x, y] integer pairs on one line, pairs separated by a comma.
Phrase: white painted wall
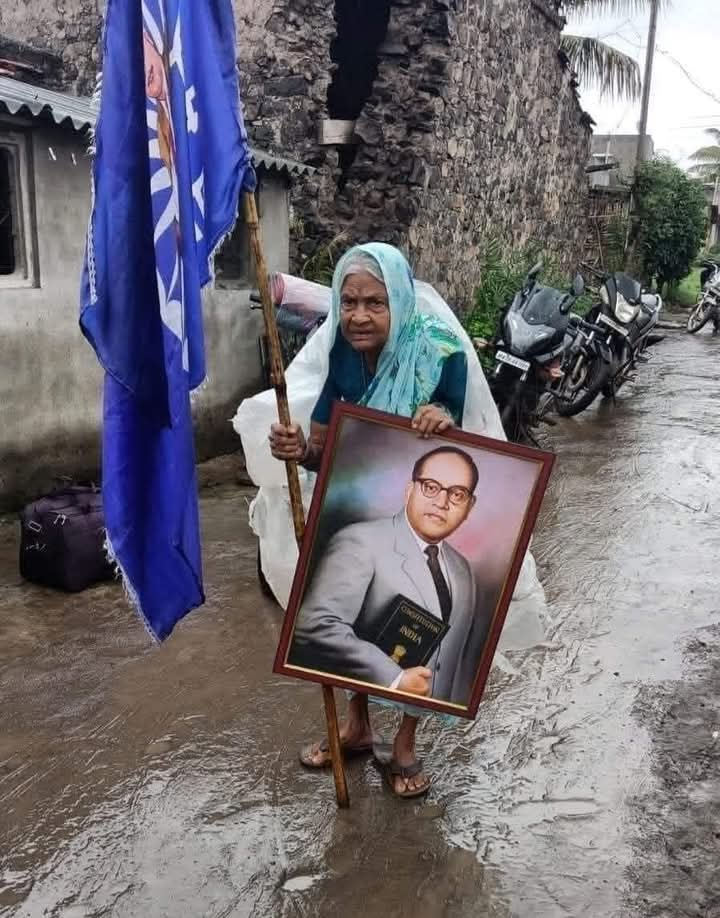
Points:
[[50, 382]]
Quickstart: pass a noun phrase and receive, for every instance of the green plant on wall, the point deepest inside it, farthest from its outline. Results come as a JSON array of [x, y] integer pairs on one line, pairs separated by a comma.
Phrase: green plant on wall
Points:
[[320, 266], [613, 239], [502, 274]]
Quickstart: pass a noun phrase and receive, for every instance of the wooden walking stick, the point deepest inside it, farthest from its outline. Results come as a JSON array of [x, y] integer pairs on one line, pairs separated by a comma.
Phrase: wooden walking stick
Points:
[[277, 375]]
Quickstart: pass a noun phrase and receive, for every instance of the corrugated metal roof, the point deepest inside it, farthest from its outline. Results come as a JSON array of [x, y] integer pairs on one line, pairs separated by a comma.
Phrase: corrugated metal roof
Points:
[[270, 161], [82, 112], [17, 96]]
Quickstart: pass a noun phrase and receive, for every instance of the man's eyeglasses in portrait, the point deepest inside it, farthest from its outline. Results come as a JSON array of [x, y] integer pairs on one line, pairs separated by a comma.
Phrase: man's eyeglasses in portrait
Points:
[[458, 495]]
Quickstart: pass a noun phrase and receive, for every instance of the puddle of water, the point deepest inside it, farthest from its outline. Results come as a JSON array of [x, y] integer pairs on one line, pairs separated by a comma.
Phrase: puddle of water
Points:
[[300, 883], [164, 782]]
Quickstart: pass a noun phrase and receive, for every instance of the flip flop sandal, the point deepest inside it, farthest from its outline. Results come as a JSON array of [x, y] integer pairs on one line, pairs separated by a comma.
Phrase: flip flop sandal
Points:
[[391, 769], [309, 753]]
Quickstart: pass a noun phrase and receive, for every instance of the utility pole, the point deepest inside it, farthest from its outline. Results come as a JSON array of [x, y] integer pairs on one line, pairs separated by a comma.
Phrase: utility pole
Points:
[[640, 154], [647, 80]]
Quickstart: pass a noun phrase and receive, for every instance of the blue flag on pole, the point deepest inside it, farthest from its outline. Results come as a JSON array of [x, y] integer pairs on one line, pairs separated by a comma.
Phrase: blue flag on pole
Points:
[[171, 158]]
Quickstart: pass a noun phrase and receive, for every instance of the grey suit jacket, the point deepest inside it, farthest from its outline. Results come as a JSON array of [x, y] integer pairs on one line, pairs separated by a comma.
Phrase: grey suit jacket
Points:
[[363, 569]]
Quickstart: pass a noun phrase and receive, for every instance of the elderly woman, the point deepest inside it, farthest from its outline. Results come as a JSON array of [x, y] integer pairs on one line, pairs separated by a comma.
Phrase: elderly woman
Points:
[[384, 355], [380, 349]]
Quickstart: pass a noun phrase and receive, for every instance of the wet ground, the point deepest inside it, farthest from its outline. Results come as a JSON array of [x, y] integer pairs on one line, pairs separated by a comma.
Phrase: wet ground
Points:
[[144, 782]]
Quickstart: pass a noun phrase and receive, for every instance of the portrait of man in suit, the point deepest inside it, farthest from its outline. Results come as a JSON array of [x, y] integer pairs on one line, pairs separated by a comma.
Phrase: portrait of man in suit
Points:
[[367, 565]]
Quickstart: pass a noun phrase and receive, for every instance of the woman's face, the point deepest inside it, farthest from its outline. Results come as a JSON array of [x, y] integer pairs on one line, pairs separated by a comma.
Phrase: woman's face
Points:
[[364, 313]]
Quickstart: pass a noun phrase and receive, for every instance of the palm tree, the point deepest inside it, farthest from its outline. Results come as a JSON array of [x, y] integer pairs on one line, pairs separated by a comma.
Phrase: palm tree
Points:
[[707, 159], [598, 64]]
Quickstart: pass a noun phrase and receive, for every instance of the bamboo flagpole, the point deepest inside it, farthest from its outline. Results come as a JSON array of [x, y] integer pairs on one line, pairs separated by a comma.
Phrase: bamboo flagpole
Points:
[[277, 374]]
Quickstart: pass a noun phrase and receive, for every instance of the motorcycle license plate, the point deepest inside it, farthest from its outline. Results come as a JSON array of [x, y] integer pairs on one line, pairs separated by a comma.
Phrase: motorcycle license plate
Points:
[[615, 327], [523, 365]]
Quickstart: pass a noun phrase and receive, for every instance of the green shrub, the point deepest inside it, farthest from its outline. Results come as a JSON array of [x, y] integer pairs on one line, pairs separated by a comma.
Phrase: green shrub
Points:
[[671, 221], [320, 266], [687, 292], [501, 276]]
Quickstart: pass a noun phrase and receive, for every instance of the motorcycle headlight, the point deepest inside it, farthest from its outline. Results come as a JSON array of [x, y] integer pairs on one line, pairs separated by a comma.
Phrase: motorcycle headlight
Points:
[[623, 310], [605, 296]]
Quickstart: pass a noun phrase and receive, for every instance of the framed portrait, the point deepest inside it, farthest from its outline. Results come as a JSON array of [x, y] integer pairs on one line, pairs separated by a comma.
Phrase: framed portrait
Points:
[[410, 558]]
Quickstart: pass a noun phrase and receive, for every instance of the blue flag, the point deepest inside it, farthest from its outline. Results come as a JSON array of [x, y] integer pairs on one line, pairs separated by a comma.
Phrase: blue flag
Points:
[[171, 157]]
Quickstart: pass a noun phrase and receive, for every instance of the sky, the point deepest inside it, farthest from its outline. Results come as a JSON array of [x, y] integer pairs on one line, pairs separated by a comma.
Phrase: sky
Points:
[[688, 37]]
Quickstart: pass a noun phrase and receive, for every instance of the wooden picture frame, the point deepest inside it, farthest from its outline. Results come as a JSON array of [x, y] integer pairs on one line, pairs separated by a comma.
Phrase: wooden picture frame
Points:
[[349, 582]]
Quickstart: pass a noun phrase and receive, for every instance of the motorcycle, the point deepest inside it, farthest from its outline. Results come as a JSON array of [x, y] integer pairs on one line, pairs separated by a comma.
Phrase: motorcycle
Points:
[[529, 354], [708, 306], [609, 342]]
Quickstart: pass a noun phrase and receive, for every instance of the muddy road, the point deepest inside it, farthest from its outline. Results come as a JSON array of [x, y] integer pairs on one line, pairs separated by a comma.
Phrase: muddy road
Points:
[[141, 782]]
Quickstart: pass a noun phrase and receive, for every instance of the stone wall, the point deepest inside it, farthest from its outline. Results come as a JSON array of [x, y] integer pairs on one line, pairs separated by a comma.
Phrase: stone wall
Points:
[[70, 28], [473, 129], [510, 145], [250, 18]]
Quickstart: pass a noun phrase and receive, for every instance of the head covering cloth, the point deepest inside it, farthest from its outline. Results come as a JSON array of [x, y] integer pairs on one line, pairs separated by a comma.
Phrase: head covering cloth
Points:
[[411, 362]]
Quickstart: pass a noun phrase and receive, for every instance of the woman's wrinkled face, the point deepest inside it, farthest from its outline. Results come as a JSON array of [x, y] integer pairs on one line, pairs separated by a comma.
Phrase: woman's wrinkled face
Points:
[[364, 313]]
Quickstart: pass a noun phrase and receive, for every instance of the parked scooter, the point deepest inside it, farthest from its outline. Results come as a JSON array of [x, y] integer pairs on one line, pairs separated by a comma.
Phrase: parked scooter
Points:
[[708, 306], [609, 342], [529, 354]]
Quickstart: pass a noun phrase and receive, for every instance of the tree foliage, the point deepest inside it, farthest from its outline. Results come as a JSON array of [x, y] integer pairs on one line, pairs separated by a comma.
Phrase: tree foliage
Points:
[[707, 159], [598, 64], [610, 7], [671, 221]]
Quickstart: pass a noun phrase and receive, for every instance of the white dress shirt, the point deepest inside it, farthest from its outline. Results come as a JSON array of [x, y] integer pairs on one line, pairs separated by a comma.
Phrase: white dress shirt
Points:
[[423, 545]]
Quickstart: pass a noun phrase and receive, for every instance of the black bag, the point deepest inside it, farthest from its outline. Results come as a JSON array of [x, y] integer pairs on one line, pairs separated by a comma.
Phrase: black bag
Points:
[[62, 542]]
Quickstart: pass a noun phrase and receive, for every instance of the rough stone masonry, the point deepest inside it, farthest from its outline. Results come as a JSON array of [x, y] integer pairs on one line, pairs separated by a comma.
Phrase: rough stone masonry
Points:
[[467, 120]]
